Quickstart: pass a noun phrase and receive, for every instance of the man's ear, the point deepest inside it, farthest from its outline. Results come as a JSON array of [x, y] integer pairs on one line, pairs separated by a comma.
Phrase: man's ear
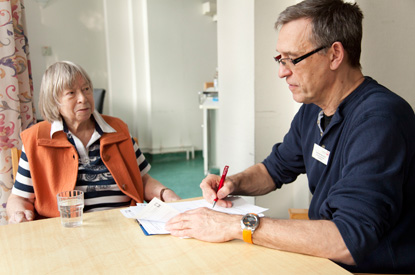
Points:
[[337, 55]]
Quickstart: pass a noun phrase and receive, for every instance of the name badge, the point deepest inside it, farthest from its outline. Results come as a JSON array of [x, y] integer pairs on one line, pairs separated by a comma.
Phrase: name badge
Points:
[[320, 154]]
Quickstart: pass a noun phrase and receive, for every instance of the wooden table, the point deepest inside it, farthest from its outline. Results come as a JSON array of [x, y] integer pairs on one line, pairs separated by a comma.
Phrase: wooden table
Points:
[[109, 243]]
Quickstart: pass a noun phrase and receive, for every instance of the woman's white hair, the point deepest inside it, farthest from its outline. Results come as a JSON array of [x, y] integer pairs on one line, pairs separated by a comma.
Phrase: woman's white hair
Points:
[[58, 77]]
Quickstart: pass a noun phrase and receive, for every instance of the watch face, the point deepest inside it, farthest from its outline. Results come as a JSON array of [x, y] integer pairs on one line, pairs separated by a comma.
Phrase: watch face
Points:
[[250, 221]]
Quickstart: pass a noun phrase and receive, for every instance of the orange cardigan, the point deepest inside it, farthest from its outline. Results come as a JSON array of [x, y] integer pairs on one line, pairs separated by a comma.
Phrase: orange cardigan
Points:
[[54, 163]]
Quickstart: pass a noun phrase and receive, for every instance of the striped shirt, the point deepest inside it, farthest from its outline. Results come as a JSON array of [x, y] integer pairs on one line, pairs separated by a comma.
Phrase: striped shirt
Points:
[[100, 190]]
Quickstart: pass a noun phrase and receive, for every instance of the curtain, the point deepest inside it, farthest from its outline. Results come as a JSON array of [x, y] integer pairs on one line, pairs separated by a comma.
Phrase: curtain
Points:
[[16, 91]]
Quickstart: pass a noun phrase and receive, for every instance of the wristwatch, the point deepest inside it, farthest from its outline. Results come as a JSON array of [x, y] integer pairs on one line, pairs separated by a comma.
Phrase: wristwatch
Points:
[[249, 223]]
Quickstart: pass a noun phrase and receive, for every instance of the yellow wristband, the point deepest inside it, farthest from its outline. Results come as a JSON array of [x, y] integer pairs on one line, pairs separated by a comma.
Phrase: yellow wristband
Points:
[[247, 236]]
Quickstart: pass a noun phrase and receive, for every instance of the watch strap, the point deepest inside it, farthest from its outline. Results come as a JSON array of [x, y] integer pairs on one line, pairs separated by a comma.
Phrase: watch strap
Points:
[[247, 236]]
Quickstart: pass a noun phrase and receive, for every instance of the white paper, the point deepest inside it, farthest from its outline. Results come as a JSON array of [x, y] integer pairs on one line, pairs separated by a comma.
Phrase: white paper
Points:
[[132, 211], [154, 215], [240, 206], [158, 211], [154, 227]]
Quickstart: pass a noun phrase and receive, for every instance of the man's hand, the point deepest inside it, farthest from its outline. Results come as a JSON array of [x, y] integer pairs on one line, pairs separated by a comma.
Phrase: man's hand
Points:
[[254, 181], [209, 186], [206, 225]]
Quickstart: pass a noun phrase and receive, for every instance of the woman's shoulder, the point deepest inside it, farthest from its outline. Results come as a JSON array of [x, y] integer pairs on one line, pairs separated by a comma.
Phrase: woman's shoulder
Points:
[[42, 125], [40, 130], [114, 121]]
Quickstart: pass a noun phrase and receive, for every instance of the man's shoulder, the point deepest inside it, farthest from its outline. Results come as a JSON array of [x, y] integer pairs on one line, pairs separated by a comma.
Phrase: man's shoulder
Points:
[[372, 98]]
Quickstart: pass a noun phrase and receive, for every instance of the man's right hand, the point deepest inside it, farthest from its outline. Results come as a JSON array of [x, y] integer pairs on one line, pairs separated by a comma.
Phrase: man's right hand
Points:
[[209, 186]]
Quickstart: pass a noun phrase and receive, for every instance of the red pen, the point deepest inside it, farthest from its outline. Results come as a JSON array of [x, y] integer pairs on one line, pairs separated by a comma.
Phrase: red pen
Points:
[[222, 180]]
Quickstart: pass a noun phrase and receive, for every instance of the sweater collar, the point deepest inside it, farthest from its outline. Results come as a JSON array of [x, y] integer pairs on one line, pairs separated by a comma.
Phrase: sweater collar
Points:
[[346, 106], [101, 125]]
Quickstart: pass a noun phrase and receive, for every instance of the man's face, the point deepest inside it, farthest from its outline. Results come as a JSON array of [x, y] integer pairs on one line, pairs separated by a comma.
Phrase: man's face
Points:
[[309, 79]]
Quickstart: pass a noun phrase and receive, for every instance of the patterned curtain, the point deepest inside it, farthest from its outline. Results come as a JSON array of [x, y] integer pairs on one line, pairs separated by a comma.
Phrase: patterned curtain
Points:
[[16, 91]]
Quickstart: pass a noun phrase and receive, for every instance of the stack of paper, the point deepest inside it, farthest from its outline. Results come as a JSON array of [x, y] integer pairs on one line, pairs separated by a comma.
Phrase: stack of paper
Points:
[[154, 215]]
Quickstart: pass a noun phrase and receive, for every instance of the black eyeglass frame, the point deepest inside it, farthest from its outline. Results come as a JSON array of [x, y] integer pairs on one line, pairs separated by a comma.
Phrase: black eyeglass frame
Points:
[[298, 59]]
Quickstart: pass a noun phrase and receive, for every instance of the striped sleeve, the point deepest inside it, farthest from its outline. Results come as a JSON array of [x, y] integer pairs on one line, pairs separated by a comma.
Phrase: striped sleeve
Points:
[[23, 185], [141, 160]]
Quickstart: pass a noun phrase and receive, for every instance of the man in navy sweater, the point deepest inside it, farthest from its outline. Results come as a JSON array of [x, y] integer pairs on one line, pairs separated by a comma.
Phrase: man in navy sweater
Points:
[[352, 137]]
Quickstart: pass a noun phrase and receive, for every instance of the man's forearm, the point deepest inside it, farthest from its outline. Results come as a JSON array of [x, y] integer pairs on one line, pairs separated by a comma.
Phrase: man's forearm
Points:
[[319, 238], [254, 181]]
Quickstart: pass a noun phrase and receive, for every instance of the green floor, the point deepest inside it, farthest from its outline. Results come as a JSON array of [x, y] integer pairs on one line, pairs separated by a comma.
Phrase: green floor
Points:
[[177, 173]]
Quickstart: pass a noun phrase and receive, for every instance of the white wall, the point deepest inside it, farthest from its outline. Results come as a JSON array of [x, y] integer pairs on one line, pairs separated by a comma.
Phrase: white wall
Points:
[[388, 51], [152, 57], [121, 62], [236, 60], [182, 52], [74, 30], [256, 107], [159, 54]]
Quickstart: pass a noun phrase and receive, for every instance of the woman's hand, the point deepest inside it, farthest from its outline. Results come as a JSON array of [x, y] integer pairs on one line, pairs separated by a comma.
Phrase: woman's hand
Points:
[[169, 195], [153, 188], [21, 216], [20, 209]]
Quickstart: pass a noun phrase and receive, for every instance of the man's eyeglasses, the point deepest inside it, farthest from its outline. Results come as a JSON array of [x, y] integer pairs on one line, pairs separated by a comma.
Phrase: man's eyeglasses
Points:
[[287, 62]]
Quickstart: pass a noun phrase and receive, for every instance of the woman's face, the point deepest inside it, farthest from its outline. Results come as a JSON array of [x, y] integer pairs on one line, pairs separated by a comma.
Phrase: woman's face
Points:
[[77, 103]]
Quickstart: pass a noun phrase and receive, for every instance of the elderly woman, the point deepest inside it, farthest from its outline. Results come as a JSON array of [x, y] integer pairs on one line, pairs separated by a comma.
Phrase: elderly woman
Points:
[[77, 148]]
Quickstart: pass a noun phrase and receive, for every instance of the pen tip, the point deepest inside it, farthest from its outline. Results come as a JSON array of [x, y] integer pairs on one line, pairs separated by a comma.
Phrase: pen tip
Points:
[[214, 203]]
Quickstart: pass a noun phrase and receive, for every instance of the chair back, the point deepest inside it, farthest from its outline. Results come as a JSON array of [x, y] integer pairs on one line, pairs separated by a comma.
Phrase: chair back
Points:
[[15, 160], [298, 214], [99, 95]]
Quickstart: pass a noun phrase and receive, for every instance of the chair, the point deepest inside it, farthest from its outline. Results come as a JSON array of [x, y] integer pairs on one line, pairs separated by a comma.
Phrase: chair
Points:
[[298, 213], [15, 160], [99, 95]]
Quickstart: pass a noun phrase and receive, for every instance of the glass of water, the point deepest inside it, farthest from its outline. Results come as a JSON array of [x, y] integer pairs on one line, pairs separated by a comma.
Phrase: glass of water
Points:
[[71, 207]]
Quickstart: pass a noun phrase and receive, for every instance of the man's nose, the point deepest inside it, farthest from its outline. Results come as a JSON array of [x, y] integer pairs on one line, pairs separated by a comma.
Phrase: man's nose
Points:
[[283, 71]]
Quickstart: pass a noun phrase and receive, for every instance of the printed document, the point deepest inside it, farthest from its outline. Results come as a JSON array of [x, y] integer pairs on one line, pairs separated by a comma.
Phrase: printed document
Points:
[[154, 215]]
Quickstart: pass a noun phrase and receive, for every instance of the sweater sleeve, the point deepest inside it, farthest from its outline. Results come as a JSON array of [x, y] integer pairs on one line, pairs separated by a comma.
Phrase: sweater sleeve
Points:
[[23, 185], [286, 161]]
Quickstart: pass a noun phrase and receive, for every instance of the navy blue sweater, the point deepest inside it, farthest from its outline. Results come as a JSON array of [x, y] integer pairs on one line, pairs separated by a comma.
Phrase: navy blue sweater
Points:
[[367, 187]]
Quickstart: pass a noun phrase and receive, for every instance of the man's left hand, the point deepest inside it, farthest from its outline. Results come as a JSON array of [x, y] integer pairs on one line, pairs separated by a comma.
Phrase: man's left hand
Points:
[[206, 225]]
